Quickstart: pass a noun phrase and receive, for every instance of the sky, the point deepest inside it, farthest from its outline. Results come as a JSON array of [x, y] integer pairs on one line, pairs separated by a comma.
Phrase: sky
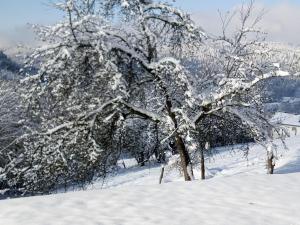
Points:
[[281, 20], [194, 5]]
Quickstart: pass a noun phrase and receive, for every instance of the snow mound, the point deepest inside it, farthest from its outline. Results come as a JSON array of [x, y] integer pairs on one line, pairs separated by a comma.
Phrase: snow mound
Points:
[[238, 192], [226, 162], [286, 118], [242, 200]]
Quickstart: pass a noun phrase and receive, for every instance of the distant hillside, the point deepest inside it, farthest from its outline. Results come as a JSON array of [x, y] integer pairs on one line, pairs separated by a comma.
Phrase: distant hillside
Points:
[[8, 64], [283, 95], [279, 88], [10, 68]]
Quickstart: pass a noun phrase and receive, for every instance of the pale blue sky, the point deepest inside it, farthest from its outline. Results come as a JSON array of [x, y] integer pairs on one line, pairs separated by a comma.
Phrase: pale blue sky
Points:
[[281, 23], [19, 12], [194, 5]]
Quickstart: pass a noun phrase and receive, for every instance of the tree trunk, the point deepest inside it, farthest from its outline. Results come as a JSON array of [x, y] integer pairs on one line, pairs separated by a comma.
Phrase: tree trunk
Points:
[[270, 163], [141, 159], [184, 154], [202, 165], [161, 174], [184, 158]]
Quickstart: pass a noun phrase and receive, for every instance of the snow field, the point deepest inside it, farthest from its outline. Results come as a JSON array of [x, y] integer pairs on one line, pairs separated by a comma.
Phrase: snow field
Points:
[[237, 192]]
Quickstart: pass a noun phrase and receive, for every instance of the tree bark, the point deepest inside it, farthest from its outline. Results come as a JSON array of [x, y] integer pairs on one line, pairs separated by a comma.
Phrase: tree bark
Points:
[[141, 159], [184, 154], [202, 165], [184, 158], [270, 163], [161, 174]]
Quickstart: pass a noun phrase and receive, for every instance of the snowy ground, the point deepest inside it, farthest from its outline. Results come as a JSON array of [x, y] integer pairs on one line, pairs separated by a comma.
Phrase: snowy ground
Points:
[[237, 193], [223, 163]]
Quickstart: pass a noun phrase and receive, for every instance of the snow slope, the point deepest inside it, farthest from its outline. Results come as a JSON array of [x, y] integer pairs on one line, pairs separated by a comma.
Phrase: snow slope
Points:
[[224, 163], [237, 193], [286, 118], [236, 200]]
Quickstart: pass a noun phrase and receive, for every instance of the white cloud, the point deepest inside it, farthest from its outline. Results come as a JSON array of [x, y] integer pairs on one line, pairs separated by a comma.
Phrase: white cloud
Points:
[[281, 21], [5, 42], [18, 39]]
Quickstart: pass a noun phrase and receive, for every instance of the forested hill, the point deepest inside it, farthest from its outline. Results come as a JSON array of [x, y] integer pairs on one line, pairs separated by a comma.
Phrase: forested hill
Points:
[[11, 69], [6, 63]]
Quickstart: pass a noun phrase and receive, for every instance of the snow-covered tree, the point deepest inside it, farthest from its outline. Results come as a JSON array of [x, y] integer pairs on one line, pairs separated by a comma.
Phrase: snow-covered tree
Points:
[[11, 129], [113, 64], [68, 100], [155, 37], [231, 71], [91, 67]]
